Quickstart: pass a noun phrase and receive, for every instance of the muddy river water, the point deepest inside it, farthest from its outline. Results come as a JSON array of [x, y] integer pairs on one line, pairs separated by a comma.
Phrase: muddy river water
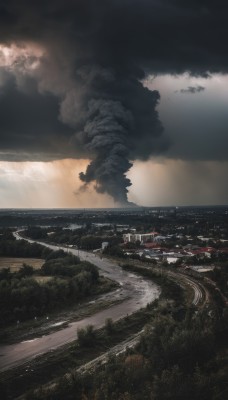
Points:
[[134, 292]]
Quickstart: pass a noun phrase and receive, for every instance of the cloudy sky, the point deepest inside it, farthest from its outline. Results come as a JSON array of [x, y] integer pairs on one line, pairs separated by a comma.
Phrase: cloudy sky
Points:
[[110, 102]]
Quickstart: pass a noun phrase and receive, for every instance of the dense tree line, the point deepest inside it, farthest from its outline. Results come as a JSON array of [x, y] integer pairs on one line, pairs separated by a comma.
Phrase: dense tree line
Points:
[[63, 236], [175, 360], [220, 276], [23, 297], [36, 232], [10, 247], [69, 266], [115, 251], [88, 237]]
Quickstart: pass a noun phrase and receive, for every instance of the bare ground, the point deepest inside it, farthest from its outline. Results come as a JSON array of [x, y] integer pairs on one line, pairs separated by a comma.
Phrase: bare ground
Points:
[[16, 263]]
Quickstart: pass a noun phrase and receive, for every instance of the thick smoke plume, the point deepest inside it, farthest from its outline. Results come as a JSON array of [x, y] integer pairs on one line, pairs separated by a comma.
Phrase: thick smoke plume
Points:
[[116, 121], [92, 59], [107, 130]]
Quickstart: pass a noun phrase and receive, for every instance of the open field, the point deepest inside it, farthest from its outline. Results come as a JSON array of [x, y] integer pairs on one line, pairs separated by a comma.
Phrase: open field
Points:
[[16, 263]]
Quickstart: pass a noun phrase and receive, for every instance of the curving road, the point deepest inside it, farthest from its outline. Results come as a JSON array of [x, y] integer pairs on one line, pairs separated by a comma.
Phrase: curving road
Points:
[[135, 291]]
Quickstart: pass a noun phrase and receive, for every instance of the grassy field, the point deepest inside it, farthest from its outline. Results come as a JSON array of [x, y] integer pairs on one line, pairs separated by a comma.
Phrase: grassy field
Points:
[[16, 263]]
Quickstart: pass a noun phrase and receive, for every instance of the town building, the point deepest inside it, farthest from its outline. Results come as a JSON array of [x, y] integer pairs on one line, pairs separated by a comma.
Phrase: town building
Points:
[[141, 237]]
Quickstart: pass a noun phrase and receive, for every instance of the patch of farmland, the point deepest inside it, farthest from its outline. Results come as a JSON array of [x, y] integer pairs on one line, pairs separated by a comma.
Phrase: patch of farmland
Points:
[[16, 263]]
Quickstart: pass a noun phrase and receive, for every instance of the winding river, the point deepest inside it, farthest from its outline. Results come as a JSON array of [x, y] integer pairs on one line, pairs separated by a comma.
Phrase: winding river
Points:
[[135, 293]]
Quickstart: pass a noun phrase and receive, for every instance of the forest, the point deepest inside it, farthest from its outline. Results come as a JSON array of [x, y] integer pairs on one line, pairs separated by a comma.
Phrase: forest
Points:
[[66, 280], [83, 238], [10, 247]]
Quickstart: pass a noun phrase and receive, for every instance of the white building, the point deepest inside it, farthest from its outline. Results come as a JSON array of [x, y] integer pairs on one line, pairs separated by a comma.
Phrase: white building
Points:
[[104, 245], [141, 237]]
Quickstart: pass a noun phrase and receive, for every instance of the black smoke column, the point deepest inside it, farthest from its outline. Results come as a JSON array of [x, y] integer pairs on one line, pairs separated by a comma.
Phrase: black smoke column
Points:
[[107, 131]]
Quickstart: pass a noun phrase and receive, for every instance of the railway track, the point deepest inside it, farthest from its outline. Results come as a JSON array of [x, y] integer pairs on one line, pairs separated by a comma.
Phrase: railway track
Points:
[[200, 296], [114, 351], [200, 299]]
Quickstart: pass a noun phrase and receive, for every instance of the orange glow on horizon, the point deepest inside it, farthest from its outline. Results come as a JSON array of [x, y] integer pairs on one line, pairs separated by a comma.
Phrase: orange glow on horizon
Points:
[[54, 184]]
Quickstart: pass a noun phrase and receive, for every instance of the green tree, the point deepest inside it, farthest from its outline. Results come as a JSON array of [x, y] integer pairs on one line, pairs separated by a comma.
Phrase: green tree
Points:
[[109, 326], [86, 336]]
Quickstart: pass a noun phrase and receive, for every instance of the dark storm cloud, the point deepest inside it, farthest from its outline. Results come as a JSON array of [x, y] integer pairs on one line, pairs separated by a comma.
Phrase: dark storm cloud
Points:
[[96, 56], [199, 130], [29, 124], [191, 90], [163, 35]]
